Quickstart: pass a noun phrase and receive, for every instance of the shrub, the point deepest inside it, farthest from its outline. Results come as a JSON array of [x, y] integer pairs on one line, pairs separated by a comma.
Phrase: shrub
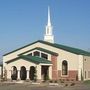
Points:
[[87, 82], [62, 81], [55, 81], [72, 84], [67, 79], [51, 81], [66, 84], [47, 77]]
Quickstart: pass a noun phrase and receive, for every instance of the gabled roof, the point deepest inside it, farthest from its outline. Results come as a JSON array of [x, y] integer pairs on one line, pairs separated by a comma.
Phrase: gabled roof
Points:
[[41, 49], [63, 47], [34, 59]]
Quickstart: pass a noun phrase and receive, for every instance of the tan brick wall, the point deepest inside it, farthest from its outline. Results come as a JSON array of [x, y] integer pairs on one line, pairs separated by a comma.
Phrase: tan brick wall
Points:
[[72, 75]]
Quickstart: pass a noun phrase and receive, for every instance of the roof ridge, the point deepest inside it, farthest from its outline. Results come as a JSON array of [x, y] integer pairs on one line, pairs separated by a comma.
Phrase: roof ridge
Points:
[[72, 47], [67, 48]]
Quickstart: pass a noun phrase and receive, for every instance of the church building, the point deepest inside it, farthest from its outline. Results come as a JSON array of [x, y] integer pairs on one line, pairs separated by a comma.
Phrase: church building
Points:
[[45, 59]]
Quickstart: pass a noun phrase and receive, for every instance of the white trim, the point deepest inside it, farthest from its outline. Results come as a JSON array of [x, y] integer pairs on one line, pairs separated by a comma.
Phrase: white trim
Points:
[[45, 64]]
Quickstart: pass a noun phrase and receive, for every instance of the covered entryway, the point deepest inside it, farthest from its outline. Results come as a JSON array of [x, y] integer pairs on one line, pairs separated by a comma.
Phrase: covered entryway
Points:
[[32, 73], [14, 73], [23, 74], [45, 72]]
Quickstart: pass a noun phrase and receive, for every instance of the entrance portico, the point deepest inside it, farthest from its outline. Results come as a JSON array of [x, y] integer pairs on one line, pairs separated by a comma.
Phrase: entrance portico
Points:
[[40, 72], [32, 68]]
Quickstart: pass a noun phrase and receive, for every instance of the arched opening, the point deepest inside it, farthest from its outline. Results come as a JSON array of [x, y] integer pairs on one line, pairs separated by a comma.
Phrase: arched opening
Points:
[[23, 73], [14, 73], [32, 73], [64, 68]]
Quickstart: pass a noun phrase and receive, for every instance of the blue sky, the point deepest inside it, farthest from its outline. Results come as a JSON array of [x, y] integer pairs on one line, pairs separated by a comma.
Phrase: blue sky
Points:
[[24, 21]]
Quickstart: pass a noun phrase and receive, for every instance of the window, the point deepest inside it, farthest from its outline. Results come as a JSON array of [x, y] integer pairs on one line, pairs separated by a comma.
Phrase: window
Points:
[[64, 68], [30, 54], [85, 59], [36, 53], [44, 55]]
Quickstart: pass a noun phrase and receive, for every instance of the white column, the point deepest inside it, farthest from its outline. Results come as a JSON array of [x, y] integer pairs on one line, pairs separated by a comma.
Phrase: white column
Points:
[[27, 74], [40, 53], [50, 72], [39, 72], [18, 75], [10, 71]]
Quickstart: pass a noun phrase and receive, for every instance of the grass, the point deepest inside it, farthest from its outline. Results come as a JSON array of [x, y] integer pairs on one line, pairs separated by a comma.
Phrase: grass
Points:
[[87, 82]]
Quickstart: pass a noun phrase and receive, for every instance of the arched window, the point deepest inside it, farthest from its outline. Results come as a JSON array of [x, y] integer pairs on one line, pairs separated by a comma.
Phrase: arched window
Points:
[[64, 67]]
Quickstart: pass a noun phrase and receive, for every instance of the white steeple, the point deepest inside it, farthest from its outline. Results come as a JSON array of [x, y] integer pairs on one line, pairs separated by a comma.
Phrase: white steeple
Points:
[[48, 34], [49, 21]]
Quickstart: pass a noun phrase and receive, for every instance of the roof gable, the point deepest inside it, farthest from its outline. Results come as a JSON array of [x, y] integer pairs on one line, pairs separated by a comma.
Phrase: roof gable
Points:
[[21, 48], [63, 47], [41, 49]]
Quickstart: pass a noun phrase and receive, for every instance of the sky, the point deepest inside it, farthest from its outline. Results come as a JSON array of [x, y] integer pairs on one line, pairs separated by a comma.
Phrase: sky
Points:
[[23, 22]]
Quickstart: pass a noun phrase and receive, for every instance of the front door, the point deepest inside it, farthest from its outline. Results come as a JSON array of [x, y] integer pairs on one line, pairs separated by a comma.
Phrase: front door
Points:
[[44, 72]]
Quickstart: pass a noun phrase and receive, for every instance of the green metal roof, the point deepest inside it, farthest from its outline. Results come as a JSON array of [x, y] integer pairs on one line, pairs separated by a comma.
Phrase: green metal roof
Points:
[[63, 47], [72, 50], [67, 48], [41, 49], [34, 59]]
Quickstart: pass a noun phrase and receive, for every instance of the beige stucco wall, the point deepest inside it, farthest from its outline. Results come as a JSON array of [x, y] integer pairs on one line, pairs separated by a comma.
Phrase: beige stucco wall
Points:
[[87, 67], [14, 54], [0, 70], [63, 55]]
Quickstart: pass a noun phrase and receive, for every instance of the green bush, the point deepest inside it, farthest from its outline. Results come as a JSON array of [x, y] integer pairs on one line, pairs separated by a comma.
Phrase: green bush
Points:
[[72, 84], [87, 82]]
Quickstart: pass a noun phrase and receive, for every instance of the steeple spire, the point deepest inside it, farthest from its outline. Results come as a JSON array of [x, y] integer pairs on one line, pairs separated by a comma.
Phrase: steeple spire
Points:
[[48, 34], [49, 21]]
